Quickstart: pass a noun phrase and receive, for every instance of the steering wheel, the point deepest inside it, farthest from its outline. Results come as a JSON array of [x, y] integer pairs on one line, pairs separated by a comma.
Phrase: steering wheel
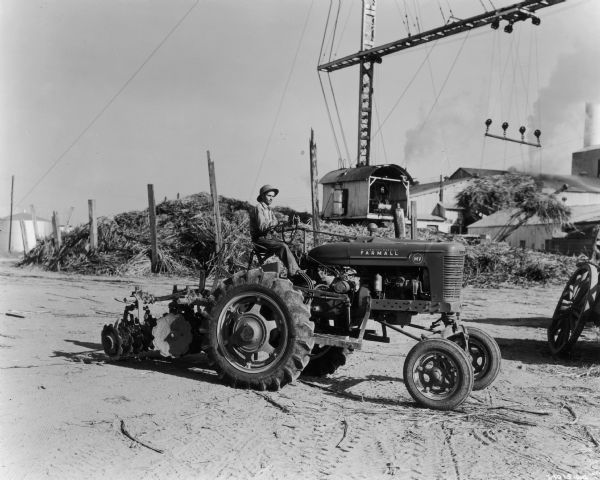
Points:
[[293, 227], [291, 231]]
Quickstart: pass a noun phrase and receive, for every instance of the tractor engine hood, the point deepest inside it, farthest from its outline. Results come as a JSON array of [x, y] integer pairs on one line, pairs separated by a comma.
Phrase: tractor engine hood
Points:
[[374, 251]]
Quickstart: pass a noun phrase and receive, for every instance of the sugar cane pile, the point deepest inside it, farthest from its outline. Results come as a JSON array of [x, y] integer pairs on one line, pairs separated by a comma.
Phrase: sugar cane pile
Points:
[[185, 238], [494, 264], [186, 243]]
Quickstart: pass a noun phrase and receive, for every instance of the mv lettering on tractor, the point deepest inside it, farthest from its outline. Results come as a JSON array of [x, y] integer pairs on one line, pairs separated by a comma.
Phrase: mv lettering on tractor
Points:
[[261, 331]]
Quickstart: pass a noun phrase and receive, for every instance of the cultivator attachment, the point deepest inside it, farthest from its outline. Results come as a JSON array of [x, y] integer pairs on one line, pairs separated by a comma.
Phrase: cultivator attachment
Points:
[[174, 334]]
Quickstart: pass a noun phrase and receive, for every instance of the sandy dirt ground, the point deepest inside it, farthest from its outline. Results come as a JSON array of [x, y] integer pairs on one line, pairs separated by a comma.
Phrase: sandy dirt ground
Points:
[[64, 409]]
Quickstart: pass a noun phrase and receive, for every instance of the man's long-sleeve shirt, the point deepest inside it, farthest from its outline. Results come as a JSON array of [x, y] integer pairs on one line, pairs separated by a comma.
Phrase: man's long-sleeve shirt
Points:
[[262, 219]]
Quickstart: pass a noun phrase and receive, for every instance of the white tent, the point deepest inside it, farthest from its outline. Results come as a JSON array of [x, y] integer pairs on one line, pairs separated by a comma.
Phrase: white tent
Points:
[[44, 228]]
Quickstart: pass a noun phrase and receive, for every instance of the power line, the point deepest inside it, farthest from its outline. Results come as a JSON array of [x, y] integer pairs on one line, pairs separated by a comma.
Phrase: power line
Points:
[[111, 101], [285, 88]]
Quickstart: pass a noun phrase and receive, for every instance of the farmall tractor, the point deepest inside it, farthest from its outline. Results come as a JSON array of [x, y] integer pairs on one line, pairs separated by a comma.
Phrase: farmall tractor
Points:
[[262, 331]]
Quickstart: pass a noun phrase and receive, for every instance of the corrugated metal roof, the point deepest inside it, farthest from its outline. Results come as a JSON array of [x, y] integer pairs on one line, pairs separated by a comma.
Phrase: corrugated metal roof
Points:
[[362, 173], [479, 172], [579, 214], [423, 188], [422, 217], [575, 183]]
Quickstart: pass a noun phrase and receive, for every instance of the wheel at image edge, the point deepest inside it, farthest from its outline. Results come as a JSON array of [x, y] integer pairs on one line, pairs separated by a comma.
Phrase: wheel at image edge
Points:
[[570, 314]]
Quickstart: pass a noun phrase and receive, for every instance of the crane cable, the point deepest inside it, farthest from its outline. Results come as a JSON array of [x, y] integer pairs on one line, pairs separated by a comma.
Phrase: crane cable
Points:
[[337, 145], [111, 100], [341, 163], [337, 17], [408, 85], [456, 57], [537, 73], [337, 111], [489, 93]]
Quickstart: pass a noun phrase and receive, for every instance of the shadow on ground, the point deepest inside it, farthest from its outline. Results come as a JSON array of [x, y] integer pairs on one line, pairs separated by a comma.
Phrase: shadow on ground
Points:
[[194, 367], [341, 386], [531, 322], [537, 352]]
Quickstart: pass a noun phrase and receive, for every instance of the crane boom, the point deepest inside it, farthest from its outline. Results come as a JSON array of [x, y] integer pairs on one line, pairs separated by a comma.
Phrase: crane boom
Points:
[[369, 54]]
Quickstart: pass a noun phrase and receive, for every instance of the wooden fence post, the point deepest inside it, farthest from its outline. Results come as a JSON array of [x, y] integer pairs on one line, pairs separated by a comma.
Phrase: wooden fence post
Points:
[[215, 198], [24, 237], [152, 221], [36, 232], [12, 189], [314, 179], [56, 229], [93, 225], [413, 219], [399, 226]]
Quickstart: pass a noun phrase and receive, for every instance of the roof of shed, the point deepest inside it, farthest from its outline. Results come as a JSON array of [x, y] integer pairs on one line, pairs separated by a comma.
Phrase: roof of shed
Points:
[[579, 214], [362, 173], [575, 183], [478, 172], [424, 188]]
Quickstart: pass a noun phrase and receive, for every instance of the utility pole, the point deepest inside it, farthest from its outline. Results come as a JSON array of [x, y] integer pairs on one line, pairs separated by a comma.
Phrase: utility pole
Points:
[[216, 209], [153, 233], [369, 54], [94, 224], [36, 232], [314, 190], [12, 191]]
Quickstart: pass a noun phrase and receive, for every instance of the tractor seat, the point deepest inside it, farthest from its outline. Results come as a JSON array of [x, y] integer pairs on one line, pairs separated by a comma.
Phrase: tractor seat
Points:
[[261, 253]]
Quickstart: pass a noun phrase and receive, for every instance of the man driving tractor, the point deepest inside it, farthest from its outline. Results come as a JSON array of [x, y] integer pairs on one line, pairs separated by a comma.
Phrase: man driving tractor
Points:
[[262, 227]]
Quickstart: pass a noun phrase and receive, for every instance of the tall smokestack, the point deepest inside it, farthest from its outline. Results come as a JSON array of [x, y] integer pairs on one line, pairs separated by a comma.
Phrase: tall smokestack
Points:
[[591, 132]]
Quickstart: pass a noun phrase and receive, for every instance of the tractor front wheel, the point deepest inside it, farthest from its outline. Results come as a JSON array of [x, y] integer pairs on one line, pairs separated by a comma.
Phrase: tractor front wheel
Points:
[[438, 374], [259, 334], [485, 356]]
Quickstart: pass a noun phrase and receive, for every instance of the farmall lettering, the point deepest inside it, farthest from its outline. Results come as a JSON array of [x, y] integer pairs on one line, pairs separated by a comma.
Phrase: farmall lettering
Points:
[[379, 252]]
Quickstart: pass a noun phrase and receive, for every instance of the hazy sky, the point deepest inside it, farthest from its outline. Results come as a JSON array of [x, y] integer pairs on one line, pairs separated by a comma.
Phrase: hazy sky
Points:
[[98, 98]]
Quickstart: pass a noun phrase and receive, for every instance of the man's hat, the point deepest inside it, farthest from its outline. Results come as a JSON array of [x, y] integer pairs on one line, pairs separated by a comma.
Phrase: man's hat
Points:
[[265, 189]]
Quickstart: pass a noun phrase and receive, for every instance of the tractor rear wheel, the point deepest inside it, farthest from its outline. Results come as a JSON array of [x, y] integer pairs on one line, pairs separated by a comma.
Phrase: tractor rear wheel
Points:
[[485, 356], [438, 374], [259, 334], [325, 360]]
